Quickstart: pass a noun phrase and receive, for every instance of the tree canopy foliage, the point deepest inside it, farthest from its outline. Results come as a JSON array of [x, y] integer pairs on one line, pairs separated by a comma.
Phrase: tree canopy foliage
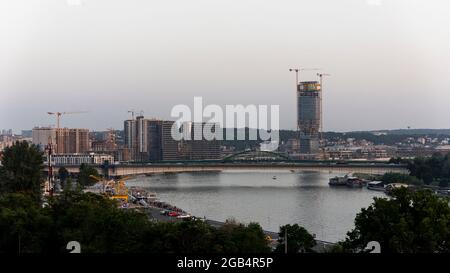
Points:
[[410, 222], [63, 174], [391, 177], [21, 169], [101, 227], [85, 173], [298, 239], [28, 225], [428, 169], [436, 167]]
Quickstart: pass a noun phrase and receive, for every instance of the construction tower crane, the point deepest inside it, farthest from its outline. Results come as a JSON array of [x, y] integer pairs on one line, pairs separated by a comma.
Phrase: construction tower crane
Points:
[[59, 114], [297, 70], [136, 114]]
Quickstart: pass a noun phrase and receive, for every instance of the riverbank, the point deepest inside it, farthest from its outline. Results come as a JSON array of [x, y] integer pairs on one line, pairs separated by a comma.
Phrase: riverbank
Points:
[[154, 214], [303, 198], [158, 210]]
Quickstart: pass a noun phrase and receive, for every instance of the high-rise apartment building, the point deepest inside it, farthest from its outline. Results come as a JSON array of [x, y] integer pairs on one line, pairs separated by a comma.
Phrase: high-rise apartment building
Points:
[[196, 145], [154, 137], [143, 138], [170, 146], [130, 137], [70, 140], [64, 140], [41, 136], [152, 140]]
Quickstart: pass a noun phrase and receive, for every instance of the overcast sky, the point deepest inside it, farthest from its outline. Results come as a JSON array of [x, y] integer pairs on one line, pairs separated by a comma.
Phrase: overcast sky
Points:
[[389, 60]]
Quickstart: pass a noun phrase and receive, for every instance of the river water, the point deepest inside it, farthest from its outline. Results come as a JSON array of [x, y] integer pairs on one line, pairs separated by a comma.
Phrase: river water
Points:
[[271, 198]]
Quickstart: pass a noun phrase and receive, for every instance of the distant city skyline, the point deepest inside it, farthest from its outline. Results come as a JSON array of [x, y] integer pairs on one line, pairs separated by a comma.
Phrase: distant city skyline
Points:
[[388, 60]]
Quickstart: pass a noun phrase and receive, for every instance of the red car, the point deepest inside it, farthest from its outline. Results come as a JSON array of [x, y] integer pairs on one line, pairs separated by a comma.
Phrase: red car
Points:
[[173, 214]]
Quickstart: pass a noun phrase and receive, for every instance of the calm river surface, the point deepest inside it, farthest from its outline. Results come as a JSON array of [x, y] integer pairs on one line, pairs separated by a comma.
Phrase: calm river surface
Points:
[[254, 196]]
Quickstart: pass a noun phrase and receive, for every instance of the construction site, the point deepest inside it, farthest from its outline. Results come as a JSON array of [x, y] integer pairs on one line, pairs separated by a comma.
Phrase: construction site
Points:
[[309, 116]]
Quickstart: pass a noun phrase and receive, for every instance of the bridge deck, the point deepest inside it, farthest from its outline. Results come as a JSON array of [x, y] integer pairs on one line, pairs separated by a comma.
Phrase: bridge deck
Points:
[[154, 168]]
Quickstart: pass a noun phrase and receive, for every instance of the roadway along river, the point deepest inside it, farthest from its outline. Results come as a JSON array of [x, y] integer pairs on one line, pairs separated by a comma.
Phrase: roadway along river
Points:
[[255, 196]]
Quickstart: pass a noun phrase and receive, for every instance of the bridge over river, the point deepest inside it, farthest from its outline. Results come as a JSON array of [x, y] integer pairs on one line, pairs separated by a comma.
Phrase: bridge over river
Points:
[[126, 169]]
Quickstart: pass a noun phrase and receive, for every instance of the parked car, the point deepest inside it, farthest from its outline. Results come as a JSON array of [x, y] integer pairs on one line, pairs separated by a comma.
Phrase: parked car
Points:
[[184, 217], [173, 214], [164, 212], [198, 218]]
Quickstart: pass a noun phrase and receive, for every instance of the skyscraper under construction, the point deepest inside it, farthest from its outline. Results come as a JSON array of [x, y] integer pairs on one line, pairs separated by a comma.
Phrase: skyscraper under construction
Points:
[[309, 116]]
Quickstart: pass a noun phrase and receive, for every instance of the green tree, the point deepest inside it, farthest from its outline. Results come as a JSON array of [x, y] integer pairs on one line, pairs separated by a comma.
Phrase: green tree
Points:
[[179, 237], [27, 226], [68, 186], [84, 176], [63, 174], [24, 225], [436, 163], [234, 237], [430, 169], [391, 177], [298, 239], [22, 169], [409, 222], [95, 222], [446, 171], [396, 160], [443, 183]]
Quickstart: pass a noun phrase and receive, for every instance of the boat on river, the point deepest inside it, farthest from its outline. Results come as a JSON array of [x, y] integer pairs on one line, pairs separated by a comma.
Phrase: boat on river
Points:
[[375, 186], [346, 180]]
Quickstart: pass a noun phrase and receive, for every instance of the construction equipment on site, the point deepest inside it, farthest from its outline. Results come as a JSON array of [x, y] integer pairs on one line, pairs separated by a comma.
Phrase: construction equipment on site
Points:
[[297, 70], [112, 188], [59, 114]]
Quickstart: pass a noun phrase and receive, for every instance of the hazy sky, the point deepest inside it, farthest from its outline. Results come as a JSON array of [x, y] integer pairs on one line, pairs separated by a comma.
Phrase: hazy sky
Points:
[[389, 60]]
